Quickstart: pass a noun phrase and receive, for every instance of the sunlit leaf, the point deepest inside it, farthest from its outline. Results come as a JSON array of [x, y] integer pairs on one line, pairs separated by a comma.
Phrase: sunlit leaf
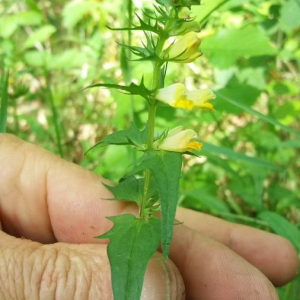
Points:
[[223, 48], [74, 11], [8, 25], [40, 35], [290, 15]]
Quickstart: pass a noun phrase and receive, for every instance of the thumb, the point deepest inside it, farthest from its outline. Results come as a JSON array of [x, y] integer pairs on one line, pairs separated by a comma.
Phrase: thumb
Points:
[[30, 270]]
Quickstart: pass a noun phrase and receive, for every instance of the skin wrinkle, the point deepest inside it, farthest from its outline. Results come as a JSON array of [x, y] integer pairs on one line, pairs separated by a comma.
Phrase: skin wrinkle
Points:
[[4, 267]]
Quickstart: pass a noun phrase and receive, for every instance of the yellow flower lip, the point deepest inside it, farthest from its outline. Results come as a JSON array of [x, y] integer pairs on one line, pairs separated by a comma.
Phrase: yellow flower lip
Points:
[[177, 96], [179, 140]]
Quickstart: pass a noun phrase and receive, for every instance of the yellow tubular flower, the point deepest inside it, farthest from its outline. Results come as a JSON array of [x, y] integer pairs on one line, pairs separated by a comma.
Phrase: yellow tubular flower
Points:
[[184, 50], [179, 140], [177, 96]]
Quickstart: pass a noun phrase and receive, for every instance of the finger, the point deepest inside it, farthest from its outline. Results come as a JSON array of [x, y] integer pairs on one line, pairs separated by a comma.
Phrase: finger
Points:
[[212, 271], [30, 270], [258, 247], [45, 198], [61, 201]]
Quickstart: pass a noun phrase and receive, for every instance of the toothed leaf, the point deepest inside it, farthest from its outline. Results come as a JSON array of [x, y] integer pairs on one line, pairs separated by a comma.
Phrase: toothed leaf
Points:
[[132, 89], [132, 242], [166, 170], [131, 136], [131, 189]]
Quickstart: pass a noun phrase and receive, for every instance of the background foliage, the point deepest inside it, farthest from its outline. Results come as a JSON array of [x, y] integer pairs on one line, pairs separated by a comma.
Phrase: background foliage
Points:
[[249, 168]]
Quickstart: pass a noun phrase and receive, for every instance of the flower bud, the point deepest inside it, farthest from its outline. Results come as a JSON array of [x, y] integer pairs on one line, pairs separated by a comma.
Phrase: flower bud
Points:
[[184, 28], [177, 96], [184, 13], [179, 140], [184, 50]]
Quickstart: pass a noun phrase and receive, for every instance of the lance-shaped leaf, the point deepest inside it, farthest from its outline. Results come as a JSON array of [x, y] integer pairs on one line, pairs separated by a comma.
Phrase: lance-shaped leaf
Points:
[[132, 243], [132, 89], [131, 189], [143, 26], [131, 136], [166, 169]]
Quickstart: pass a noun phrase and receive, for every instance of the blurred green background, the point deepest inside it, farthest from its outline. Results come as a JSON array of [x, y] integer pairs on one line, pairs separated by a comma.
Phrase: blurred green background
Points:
[[249, 170]]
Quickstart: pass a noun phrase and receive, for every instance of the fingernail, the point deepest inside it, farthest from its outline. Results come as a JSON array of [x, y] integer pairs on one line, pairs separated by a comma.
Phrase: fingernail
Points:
[[162, 281]]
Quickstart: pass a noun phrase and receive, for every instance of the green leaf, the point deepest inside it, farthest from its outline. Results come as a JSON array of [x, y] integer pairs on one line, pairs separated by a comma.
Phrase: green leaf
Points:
[[166, 170], [235, 156], [223, 48], [205, 10], [208, 201], [38, 58], [256, 113], [281, 226], [290, 144], [29, 17], [242, 93], [74, 12], [131, 136], [289, 15], [40, 35], [132, 243], [131, 189], [3, 101], [8, 25], [131, 89]]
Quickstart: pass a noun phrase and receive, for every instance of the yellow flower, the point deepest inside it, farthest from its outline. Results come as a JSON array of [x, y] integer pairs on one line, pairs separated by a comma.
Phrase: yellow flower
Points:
[[179, 140], [177, 96], [184, 50]]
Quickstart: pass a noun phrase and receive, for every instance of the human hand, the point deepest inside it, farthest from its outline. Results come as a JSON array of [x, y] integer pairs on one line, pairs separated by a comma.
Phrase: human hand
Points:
[[58, 208]]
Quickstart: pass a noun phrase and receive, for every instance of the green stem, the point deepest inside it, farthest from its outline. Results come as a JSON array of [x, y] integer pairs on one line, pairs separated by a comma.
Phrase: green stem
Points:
[[54, 114], [4, 102], [147, 173], [151, 121]]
